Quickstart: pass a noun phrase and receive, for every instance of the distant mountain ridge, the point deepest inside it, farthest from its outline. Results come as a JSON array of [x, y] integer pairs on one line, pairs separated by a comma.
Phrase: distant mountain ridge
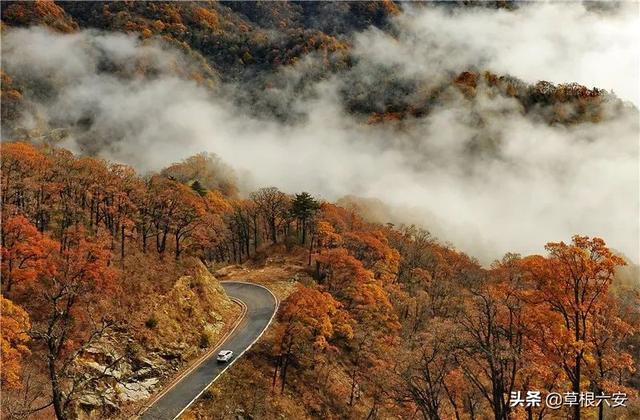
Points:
[[249, 43]]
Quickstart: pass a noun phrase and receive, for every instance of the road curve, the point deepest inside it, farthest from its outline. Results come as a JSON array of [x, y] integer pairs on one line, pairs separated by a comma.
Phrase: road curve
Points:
[[261, 307]]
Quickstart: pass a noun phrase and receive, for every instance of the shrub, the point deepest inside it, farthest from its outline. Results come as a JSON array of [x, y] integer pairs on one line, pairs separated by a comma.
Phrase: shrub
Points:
[[204, 340], [207, 337], [151, 323]]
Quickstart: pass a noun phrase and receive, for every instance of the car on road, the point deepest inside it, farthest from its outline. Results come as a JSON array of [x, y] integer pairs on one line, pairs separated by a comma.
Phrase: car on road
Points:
[[225, 356]]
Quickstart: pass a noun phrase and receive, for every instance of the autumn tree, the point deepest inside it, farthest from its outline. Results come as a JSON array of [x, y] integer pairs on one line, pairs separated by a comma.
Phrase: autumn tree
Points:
[[145, 215], [309, 321], [370, 351], [571, 290], [423, 372], [121, 205], [82, 193], [327, 237], [407, 325], [375, 336], [492, 330], [188, 215], [25, 252], [67, 307], [241, 222], [414, 246], [210, 237], [174, 209], [464, 399], [15, 327], [345, 277], [24, 172], [373, 250], [340, 273], [273, 205], [431, 297], [610, 362], [205, 169], [86, 185]]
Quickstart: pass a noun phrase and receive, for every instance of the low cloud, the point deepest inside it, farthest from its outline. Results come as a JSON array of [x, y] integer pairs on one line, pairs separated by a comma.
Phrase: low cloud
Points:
[[559, 42], [528, 184]]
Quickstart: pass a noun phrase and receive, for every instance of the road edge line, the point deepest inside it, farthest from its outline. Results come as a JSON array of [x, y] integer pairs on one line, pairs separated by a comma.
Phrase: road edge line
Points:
[[199, 361], [275, 311]]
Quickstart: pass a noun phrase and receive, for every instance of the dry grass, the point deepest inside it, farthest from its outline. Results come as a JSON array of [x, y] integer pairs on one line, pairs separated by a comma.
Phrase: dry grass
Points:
[[279, 271]]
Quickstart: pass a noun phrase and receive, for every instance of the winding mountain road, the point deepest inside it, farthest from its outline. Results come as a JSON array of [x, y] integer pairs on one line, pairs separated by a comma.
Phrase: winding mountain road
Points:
[[261, 306]]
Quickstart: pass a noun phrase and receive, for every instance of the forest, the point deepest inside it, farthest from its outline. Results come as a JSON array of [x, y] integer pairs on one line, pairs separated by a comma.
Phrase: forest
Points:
[[442, 196], [387, 321]]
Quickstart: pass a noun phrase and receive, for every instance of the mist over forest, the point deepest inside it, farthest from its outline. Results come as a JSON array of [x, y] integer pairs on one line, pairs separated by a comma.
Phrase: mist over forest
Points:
[[489, 173], [409, 209]]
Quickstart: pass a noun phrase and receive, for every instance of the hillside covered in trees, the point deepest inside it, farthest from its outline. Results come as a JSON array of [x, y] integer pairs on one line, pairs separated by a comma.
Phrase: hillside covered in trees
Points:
[[392, 171], [381, 321], [236, 43]]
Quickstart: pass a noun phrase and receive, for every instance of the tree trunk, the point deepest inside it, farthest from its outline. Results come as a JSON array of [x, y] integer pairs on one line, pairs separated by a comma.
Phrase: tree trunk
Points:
[[274, 232], [472, 409], [177, 245], [353, 388], [56, 393], [275, 373], [161, 241], [8, 279], [247, 241], [601, 411], [255, 234], [311, 248], [576, 385], [144, 240], [122, 239], [283, 373], [577, 369]]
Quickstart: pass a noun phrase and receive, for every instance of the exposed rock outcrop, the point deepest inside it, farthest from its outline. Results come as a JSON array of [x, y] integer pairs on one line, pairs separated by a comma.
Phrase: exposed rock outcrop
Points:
[[191, 317]]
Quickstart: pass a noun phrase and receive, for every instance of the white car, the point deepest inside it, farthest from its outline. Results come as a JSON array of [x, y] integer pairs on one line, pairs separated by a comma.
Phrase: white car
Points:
[[225, 356]]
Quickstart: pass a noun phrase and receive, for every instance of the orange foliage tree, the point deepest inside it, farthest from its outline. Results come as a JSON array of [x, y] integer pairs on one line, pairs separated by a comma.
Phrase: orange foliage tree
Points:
[[69, 312], [373, 250], [492, 327], [309, 321], [273, 205], [15, 327], [25, 252], [571, 291], [24, 170]]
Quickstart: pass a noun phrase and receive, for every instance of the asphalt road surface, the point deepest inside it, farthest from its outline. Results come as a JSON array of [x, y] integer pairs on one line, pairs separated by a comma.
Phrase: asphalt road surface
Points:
[[261, 306]]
